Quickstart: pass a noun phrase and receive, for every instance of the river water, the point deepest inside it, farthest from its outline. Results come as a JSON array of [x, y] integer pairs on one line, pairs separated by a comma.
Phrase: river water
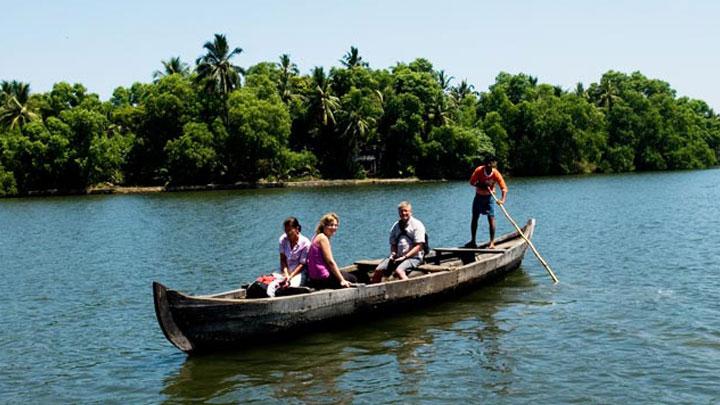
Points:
[[635, 317]]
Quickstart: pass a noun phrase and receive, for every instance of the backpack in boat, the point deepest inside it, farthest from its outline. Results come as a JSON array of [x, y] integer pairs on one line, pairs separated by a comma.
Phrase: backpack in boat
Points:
[[263, 287], [426, 245]]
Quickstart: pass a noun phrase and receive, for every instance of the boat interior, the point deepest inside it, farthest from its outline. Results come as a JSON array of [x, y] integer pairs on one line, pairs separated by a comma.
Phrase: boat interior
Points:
[[438, 260]]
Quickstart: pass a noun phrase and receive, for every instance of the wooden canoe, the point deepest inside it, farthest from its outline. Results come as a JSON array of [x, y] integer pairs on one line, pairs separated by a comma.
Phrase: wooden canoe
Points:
[[228, 320]]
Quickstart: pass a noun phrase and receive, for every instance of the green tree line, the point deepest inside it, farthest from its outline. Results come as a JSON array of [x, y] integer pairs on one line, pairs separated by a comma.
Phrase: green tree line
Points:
[[216, 122]]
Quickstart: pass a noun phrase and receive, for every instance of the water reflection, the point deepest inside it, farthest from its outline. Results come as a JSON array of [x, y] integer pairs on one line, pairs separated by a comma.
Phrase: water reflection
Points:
[[386, 359]]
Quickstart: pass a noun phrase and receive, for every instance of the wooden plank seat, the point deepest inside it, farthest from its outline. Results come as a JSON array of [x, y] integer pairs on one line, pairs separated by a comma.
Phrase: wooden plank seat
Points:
[[467, 255], [470, 250], [366, 266], [370, 265]]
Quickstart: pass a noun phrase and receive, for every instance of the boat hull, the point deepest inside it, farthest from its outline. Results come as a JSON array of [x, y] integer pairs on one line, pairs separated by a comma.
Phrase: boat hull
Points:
[[211, 323]]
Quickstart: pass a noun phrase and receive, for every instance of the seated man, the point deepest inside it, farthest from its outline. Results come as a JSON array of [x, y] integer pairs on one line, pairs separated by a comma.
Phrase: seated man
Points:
[[407, 238]]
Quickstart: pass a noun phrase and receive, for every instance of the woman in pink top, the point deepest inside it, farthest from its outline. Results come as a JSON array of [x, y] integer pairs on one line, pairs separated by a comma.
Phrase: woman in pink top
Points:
[[323, 272]]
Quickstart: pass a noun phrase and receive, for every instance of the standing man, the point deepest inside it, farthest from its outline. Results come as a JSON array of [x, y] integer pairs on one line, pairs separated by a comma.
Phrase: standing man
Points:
[[484, 179], [407, 240]]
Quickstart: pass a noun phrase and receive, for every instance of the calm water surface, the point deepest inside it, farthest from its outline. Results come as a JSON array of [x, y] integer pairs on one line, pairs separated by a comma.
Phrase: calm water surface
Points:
[[635, 317]]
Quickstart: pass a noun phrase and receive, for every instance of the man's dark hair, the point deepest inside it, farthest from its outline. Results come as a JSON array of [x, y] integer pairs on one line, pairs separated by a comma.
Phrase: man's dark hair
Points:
[[293, 223]]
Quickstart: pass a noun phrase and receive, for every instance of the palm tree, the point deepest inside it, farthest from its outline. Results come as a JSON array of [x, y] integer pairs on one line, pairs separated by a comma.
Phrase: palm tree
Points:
[[215, 69], [444, 80], [580, 90], [172, 66], [462, 90], [14, 111], [440, 110], [5, 90], [15, 89], [357, 125], [357, 122], [288, 70], [353, 59], [608, 94], [355, 134], [321, 100]]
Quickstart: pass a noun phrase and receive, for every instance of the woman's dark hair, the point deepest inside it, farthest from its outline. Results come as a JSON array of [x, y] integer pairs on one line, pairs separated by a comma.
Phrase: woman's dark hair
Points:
[[293, 223]]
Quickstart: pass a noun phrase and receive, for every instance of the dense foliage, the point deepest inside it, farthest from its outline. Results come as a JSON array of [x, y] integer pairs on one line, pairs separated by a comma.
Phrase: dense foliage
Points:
[[220, 123]]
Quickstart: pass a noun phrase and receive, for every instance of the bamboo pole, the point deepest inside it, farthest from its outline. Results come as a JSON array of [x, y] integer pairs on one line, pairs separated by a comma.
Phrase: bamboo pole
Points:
[[537, 254]]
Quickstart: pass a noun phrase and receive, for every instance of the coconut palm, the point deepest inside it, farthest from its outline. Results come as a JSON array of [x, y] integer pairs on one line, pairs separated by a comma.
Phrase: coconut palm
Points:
[[215, 69], [16, 89], [5, 91], [440, 111], [443, 80], [322, 102], [15, 111], [353, 59], [172, 66], [356, 119], [462, 90], [288, 70], [608, 94], [580, 90]]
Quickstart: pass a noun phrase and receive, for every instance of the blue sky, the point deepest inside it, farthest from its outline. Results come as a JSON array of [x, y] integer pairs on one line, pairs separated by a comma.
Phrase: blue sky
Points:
[[108, 44]]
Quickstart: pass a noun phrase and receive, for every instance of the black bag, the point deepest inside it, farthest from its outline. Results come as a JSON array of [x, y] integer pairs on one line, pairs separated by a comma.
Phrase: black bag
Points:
[[257, 289]]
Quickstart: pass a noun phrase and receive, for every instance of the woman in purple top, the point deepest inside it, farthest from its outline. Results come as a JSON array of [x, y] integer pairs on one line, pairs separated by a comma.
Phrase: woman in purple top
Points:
[[293, 252], [323, 272]]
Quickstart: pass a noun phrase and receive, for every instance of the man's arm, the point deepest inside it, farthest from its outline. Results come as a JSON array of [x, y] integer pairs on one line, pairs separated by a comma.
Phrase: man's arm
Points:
[[284, 265], [296, 270], [503, 186], [474, 178], [412, 252]]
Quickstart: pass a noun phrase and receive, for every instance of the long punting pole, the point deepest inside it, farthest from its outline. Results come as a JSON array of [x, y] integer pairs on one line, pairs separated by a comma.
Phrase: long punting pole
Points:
[[537, 254]]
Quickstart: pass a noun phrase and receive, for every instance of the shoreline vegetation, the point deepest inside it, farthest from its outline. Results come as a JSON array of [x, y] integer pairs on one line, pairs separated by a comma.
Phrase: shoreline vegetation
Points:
[[225, 126], [115, 189]]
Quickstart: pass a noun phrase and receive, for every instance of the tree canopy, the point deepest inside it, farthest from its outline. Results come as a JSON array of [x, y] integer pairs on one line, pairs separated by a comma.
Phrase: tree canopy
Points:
[[217, 122]]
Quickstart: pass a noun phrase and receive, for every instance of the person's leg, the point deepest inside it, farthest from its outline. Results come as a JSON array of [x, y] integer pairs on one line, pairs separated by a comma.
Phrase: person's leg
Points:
[[348, 276], [404, 267], [322, 284], [334, 283], [491, 220], [491, 223], [379, 271], [474, 222]]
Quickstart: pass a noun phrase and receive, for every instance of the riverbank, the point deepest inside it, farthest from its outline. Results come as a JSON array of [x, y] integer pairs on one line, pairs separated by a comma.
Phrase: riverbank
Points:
[[113, 189]]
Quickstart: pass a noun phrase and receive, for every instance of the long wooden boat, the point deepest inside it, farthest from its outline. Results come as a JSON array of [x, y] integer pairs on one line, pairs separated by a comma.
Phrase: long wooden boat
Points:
[[213, 322]]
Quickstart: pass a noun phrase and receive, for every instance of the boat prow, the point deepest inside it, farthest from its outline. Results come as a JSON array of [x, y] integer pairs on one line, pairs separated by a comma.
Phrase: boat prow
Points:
[[165, 318]]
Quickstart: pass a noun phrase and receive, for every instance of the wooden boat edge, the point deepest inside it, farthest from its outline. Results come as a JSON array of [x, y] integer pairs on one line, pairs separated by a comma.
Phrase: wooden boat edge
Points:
[[175, 335]]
